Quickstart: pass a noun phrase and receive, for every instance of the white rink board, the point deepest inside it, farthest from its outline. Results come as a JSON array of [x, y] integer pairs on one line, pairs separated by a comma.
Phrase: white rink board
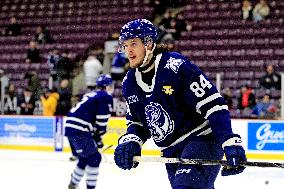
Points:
[[51, 170]]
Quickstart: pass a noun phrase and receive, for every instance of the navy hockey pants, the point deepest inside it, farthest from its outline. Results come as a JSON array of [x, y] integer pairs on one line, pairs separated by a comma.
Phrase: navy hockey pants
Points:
[[86, 149], [194, 176]]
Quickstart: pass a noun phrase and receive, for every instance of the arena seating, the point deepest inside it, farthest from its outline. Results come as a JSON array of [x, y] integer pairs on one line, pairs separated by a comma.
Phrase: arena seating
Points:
[[219, 41], [74, 25]]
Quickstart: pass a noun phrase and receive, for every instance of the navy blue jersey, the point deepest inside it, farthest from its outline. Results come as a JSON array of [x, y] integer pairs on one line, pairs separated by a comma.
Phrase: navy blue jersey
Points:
[[90, 115], [180, 103]]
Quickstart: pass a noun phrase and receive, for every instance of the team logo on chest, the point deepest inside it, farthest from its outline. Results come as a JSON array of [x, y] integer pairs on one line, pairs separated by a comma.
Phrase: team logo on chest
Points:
[[174, 64], [159, 121]]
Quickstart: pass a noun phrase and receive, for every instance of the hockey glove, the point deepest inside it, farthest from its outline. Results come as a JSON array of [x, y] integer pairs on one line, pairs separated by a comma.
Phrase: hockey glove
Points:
[[235, 154], [98, 141], [124, 153]]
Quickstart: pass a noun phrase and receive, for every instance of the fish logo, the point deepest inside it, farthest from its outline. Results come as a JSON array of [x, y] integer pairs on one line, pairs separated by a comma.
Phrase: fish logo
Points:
[[159, 121]]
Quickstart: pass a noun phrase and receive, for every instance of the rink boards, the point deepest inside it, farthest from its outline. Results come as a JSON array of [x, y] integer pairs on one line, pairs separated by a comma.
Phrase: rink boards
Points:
[[262, 139]]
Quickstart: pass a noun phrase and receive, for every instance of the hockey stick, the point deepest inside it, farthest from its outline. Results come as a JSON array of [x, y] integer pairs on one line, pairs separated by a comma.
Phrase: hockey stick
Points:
[[102, 152], [204, 162], [106, 148]]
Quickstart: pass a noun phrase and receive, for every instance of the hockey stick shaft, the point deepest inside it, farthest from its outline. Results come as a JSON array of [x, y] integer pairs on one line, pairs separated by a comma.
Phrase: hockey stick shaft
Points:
[[106, 148], [204, 162]]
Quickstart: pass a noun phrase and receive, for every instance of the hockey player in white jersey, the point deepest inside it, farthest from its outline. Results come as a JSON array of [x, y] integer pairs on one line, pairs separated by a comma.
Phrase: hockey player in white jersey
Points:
[[84, 126], [171, 100]]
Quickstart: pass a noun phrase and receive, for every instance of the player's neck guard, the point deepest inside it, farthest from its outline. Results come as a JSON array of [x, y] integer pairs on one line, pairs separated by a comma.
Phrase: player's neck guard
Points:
[[149, 66]]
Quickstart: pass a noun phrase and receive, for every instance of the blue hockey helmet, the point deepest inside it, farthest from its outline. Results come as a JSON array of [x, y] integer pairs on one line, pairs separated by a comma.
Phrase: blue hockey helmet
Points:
[[104, 80], [139, 28]]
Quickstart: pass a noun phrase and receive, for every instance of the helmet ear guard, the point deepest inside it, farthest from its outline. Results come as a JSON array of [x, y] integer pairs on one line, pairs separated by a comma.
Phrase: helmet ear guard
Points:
[[147, 40]]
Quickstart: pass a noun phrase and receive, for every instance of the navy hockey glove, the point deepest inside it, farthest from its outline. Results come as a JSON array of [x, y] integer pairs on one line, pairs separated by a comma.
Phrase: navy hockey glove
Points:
[[235, 154], [98, 141], [124, 153]]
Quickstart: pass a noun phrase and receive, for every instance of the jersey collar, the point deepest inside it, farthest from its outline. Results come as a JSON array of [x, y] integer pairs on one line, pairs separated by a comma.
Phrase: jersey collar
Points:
[[144, 86]]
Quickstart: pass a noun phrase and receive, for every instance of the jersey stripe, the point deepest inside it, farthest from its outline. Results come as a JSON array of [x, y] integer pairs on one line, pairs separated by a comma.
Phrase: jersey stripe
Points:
[[204, 124], [101, 123], [206, 132], [207, 100], [103, 116], [215, 109], [76, 127], [80, 121]]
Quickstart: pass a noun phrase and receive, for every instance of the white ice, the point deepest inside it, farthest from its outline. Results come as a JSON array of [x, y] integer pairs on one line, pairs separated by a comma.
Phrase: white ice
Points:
[[51, 170]]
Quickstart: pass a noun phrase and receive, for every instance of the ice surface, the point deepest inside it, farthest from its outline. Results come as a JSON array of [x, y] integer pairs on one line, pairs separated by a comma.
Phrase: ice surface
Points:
[[51, 170]]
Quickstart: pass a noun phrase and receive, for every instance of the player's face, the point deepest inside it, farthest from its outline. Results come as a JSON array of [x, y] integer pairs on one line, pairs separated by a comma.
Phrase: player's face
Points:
[[135, 51], [109, 89]]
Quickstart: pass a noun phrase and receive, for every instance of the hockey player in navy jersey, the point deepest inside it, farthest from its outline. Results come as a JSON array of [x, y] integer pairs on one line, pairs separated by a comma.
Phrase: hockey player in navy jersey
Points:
[[84, 126], [171, 100]]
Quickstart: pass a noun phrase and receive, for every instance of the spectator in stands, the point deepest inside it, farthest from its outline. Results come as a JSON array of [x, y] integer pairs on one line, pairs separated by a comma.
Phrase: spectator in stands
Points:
[[92, 68], [271, 79], [78, 82], [65, 66], [33, 83], [99, 51], [247, 98], [64, 102], [14, 28], [247, 10], [173, 31], [42, 35], [180, 22], [246, 101], [27, 103], [164, 24], [4, 81], [11, 100], [166, 21], [158, 9], [118, 66], [261, 10], [170, 34], [265, 108], [49, 101], [228, 97], [33, 53], [52, 60]]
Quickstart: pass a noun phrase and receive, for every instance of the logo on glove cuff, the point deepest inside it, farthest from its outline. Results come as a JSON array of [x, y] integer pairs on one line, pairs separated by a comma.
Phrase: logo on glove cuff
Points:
[[238, 141]]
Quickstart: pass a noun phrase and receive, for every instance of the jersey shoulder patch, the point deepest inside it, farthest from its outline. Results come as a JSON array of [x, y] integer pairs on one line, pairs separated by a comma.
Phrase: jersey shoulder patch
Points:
[[173, 61]]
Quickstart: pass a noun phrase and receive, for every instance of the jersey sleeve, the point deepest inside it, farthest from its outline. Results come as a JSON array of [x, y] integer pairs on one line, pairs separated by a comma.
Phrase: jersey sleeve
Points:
[[202, 95], [103, 114]]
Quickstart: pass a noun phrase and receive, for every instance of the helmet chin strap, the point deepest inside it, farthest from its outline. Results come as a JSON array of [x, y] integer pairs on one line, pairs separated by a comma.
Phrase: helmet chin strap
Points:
[[148, 52]]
